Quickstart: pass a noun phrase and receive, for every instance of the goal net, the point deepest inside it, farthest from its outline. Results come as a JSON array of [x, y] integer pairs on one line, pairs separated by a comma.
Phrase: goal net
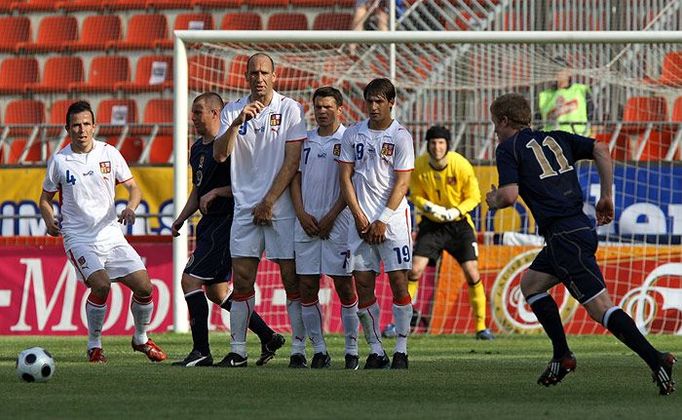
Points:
[[450, 78]]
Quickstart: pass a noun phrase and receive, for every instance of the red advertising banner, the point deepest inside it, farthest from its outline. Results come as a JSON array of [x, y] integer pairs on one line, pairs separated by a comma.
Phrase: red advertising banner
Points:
[[40, 294]]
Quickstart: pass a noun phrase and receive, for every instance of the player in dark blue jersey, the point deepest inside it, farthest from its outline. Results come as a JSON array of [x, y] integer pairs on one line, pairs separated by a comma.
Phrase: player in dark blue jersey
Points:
[[540, 167], [210, 263]]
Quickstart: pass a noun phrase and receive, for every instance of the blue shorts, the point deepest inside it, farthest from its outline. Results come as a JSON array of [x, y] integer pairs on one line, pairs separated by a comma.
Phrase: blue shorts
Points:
[[210, 261], [569, 255]]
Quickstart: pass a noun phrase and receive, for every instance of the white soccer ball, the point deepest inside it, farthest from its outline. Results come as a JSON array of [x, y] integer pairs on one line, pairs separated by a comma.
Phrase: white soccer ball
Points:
[[35, 365]]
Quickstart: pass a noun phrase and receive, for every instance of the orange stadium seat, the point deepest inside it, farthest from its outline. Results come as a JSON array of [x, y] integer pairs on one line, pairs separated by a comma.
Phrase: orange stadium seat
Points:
[[80, 5], [125, 4], [59, 72], [206, 72], [332, 21], [235, 77], [114, 114], [57, 120], [242, 21], [24, 111], [657, 145], [312, 3], [53, 33], [154, 73], [143, 31], [29, 6], [105, 72], [211, 4], [671, 73], [14, 29], [17, 147], [168, 4], [16, 73], [158, 111], [289, 78], [183, 21], [267, 3], [131, 148], [5, 5], [287, 22], [97, 31], [639, 110]]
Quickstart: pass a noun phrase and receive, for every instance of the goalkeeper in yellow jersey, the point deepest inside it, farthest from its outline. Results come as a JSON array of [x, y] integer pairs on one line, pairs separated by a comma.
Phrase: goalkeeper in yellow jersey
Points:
[[445, 189]]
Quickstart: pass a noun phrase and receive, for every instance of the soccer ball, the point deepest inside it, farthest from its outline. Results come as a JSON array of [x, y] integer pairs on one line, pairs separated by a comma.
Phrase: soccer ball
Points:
[[35, 365]]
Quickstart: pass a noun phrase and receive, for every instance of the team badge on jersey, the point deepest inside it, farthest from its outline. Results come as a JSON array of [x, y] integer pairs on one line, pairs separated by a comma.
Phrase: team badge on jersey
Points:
[[105, 167], [337, 150], [387, 149], [82, 262], [275, 120], [451, 180]]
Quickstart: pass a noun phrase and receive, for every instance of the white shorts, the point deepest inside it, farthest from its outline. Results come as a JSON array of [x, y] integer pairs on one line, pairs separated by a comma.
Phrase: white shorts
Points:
[[322, 257], [249, 240], [395, 251], [118, 260]]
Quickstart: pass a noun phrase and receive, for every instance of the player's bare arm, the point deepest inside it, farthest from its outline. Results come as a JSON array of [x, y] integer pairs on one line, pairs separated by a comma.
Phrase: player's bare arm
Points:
[[262, 213], [377, 229], [224, 144], [51, 223], [327, 221], [191, 206], [602, 159], [348, 193], [127, 216], [503, 197], [208, 198], [308, 222]]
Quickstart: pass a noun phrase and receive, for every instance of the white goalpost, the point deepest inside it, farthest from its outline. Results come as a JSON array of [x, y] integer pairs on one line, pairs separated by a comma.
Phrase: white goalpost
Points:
[[450, 77]]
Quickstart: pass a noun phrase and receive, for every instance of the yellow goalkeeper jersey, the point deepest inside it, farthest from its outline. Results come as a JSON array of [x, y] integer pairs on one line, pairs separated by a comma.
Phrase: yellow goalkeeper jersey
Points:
[[453, 186]]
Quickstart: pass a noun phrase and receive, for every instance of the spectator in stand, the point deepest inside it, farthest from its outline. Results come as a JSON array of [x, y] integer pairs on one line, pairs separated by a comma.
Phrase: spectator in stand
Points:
[[365, 8]]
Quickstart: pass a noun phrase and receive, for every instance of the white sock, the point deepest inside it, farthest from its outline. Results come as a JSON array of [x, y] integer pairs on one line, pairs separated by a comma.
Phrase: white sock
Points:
[[402, 314], [369, 318], [312, 319], [297, 326], [239, 322], [142, 315], [95, 315], [351, 325]]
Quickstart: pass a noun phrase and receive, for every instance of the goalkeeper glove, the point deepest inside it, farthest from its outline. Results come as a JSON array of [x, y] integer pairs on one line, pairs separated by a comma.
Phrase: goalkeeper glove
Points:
[[438, 212], [452, 214]]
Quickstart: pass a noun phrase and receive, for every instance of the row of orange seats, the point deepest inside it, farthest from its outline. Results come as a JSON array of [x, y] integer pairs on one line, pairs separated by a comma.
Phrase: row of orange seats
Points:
[[112, 116], [153, 73], [60, 33]]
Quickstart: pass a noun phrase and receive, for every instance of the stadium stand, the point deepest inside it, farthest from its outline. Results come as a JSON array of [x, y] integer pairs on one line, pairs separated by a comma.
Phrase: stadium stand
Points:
[[59, 71], [640, 111], [168, 4], [24, 146], [81, 5], [115, 115], [287, 21], [205, 72], [14, 30], [16, 73], [153, 73], [53, 32], [213, 4], [97, 31], [30, 6], [332, 21], [105, 72], [143, 31], [235, 74], [160, 147], [193, 21], [242, 21], [671, 71]]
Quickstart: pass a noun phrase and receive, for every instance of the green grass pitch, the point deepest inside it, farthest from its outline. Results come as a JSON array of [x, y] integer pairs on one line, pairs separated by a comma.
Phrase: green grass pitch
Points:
[[449, 377]]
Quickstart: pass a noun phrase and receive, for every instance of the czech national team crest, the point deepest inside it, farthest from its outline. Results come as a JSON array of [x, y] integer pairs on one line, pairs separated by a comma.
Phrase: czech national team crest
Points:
[[387, 149], [105, 167], [337, 150], [275, 120]]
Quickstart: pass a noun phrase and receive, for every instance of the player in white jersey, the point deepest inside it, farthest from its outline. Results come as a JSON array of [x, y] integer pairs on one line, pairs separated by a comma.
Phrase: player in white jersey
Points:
[[263, 132], [321, 233], [377, 157], [85, 174]]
